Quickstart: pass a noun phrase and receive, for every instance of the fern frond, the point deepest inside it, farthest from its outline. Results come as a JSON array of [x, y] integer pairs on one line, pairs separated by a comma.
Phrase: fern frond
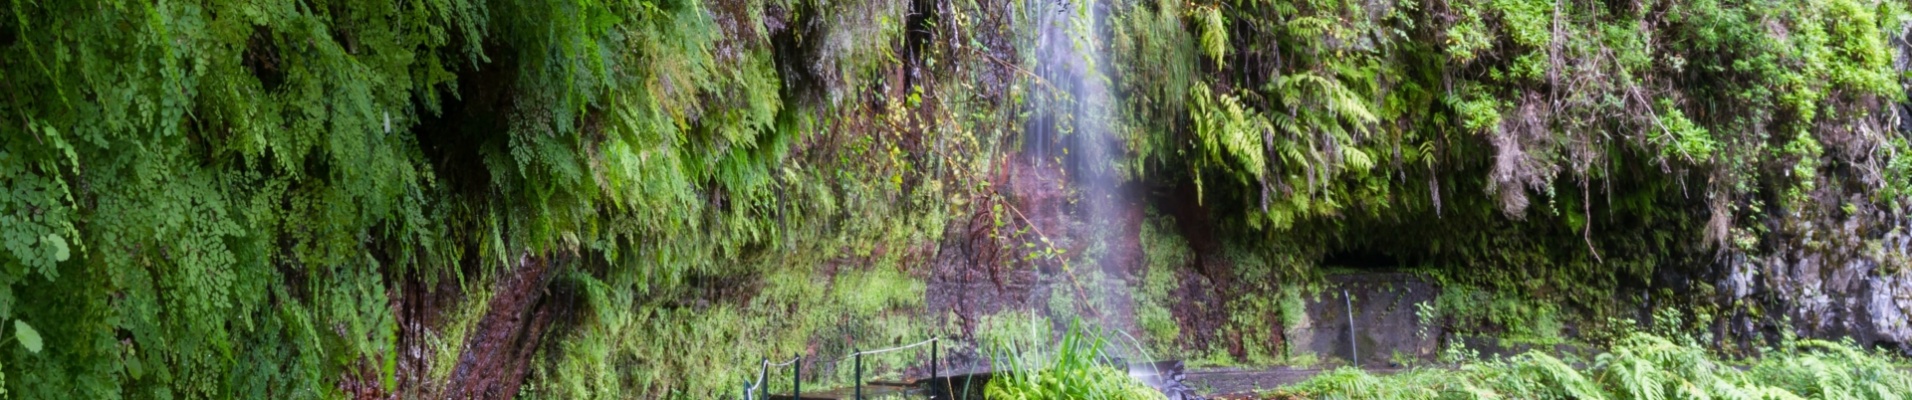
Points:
[[1214, 33]]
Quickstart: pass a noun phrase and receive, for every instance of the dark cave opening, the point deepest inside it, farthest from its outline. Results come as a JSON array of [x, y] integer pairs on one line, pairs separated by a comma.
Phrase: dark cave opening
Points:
[[1364, 259]]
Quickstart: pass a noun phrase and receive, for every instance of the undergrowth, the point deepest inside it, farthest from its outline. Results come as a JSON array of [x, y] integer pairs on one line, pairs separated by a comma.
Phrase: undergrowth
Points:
[[1032, 366], [1640, 366]]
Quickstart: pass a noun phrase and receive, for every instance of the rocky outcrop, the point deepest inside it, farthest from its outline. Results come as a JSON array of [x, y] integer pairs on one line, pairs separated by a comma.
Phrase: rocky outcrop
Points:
[[1837, 265], [1834, 266], [1843, 279], [1904, 62]]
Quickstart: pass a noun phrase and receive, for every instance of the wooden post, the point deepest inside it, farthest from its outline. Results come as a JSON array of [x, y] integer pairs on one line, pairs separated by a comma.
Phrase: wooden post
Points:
[[932, 364], [859, 375], [796, 377]]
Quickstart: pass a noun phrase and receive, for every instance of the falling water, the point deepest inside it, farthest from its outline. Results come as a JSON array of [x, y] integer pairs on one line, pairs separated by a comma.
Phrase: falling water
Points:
[[1071, 133]]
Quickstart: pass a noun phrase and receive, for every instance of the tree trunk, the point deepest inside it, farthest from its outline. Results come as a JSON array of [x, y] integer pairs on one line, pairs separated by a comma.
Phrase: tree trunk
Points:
[[496, 355]]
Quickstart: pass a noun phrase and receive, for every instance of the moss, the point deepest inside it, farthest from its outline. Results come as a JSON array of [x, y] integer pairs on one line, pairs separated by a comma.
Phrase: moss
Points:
[[1166, 255]]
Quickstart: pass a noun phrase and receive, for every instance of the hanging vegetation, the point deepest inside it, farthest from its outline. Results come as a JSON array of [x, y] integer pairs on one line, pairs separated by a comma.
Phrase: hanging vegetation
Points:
[[589, 199]]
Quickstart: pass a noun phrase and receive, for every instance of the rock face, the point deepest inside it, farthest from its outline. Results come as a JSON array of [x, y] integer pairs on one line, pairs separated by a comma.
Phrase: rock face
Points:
[[1383, 316], [1831, 267], [1904, 62], [1838, 267], [1832, 280], [1832, 264], [1889, 301]]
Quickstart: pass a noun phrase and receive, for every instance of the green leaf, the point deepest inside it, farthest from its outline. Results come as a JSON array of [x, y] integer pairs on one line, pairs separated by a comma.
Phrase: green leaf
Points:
[[60, 252], [134, 367], [27, 336]]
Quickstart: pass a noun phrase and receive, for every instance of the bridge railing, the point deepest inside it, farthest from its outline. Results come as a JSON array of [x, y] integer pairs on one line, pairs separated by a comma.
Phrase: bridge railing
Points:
[[760, 390]]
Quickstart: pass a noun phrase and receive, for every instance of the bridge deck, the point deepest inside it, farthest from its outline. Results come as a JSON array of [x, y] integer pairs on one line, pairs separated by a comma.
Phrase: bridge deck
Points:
[[870, 391]]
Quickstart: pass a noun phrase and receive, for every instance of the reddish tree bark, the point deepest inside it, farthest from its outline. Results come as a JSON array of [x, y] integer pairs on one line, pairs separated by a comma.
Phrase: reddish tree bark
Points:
[[498, 352]]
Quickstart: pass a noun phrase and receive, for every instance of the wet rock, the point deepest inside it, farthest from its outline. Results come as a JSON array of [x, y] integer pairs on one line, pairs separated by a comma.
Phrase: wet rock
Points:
[[1385, 324], [1168, 377], [1829, 273]]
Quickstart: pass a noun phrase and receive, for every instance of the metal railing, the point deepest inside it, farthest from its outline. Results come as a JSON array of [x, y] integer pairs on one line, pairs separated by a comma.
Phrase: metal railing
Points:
[[855, 357]]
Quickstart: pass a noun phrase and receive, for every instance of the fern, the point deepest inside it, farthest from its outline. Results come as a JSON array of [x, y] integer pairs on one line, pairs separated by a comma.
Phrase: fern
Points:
[[1214, 33], [1638, 367]]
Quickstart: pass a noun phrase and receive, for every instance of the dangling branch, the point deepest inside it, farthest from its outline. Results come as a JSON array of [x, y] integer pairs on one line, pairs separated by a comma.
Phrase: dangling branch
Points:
[[1586, 228]]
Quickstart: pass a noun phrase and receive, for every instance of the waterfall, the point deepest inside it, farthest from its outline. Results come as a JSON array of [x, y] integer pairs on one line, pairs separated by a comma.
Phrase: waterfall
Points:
[[1070, 132]]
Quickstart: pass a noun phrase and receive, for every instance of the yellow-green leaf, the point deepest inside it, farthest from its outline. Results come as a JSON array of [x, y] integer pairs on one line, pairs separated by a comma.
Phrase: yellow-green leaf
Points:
[[58, 244], [27, 336]]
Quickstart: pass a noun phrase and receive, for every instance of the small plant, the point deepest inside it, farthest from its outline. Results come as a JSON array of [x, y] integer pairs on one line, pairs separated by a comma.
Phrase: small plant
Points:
[[1401, 358], [1032, 367], [1428, 315], [1303, 359]]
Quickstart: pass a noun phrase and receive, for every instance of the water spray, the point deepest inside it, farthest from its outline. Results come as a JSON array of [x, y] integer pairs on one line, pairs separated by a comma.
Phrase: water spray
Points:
[[1354, 352]]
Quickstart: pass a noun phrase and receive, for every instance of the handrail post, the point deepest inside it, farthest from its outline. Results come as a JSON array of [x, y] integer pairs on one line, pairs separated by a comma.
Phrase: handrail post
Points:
[[763, 378], [859, 375], [796, 377], [932, 362]]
